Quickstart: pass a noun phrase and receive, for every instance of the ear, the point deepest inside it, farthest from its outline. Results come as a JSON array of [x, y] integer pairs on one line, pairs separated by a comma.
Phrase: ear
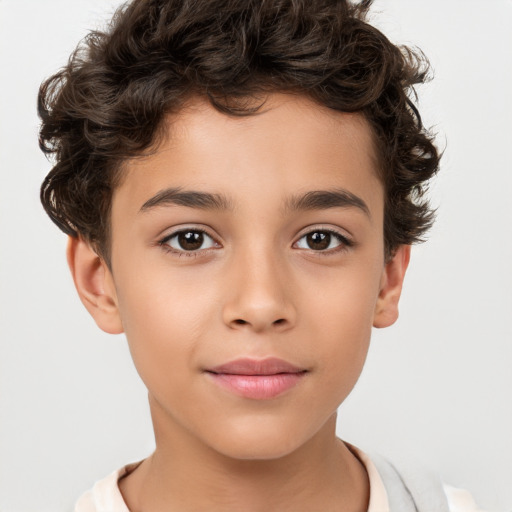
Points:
[[386, 309], [95, 285]]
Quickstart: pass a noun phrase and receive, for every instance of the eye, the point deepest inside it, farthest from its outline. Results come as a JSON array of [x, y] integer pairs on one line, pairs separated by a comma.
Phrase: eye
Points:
[[189, 240], [323, 240]]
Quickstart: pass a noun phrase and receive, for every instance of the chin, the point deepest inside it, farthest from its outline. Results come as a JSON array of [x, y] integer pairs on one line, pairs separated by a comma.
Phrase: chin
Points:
[[260, 440], [257, 449]]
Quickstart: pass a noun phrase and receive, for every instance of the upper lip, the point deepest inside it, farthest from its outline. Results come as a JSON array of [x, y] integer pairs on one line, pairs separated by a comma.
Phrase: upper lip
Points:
[[247, 366]]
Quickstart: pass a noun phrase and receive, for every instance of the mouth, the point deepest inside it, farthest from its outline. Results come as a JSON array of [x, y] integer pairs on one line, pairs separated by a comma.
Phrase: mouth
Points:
[[257, 379]]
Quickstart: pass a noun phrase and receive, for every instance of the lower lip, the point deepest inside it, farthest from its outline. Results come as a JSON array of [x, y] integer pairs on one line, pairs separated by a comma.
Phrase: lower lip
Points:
[[258, 387]]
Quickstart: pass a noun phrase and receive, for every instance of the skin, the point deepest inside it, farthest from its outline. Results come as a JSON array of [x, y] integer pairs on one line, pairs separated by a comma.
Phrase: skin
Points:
[[257, 288]]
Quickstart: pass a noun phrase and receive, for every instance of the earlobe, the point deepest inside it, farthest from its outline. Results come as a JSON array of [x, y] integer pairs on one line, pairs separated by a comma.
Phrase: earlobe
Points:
[[386, 309], [94, 284]]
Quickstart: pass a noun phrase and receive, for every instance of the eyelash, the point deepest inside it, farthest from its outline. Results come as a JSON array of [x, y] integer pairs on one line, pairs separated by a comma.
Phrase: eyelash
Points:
[[194, 254], [344, 242]]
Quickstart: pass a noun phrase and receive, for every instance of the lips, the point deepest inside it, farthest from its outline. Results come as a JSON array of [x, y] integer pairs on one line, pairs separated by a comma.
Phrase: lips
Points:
[[257, 379]]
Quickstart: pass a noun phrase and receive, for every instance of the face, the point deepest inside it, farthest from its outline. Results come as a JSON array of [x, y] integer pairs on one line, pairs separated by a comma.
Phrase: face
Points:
[[247, 271]]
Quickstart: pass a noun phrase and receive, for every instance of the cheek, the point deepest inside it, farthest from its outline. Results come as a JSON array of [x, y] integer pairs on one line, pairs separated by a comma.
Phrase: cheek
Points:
[[164, 319], [342, 318], [344, 298]]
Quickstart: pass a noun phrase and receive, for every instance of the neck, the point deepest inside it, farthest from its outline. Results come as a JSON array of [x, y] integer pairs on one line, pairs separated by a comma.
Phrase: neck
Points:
[[183, 474]]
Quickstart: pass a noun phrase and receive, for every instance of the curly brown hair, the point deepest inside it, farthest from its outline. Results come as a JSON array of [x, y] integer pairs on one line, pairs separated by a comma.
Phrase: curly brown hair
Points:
[[108, 103]]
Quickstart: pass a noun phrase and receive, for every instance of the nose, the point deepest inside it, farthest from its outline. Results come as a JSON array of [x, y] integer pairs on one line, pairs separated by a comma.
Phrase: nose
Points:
[[259, 294]]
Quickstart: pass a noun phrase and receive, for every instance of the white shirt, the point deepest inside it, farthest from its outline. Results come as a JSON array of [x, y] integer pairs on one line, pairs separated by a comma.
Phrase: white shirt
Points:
[[105, 496]]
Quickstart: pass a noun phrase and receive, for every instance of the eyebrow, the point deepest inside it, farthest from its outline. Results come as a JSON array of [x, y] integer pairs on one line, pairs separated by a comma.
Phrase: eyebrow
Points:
[[311, 200], [189, 198], [324, 199]]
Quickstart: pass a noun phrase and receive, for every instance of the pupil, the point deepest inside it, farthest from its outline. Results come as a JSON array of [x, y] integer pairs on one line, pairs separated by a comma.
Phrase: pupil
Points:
[[190, 240], [318, 240]]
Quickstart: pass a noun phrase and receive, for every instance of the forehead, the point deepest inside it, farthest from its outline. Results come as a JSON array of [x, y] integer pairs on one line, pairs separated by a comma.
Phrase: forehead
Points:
[[290, 146]]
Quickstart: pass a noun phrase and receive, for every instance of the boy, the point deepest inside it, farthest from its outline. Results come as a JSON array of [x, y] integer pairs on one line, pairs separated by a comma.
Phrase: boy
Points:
[[241, 182]]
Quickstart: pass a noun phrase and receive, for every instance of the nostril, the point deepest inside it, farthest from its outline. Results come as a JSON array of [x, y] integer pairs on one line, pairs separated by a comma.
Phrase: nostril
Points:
[[278, 322]]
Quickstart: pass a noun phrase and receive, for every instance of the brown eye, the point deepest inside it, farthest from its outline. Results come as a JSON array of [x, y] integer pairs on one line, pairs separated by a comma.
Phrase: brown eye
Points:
[[318, 240], [321, 240], [189, 240]]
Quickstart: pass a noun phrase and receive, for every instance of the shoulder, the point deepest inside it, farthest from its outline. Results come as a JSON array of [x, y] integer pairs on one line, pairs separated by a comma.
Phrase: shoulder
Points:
[[86, 503], [404, 485], [105, 495], [460, 500]]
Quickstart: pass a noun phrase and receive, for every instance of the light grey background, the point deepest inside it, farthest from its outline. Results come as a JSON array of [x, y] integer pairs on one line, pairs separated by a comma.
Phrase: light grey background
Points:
[[437, 386]]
